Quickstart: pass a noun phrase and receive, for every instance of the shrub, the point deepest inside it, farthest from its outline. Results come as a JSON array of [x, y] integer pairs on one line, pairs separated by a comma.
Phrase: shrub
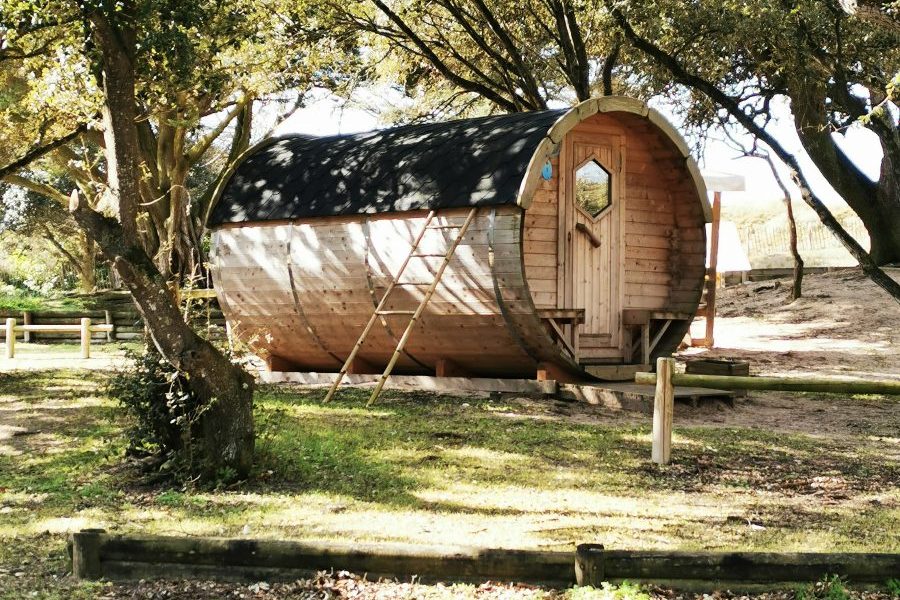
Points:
[[162, 408]]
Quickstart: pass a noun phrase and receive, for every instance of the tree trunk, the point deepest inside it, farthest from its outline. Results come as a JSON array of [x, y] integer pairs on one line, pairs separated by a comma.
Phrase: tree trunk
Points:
[[224, 390], [797, 284], [87, 270], [876, 203]]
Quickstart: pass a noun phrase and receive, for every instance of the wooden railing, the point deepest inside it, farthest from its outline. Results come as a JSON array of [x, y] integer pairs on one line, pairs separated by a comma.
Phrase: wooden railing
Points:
[[85, 329], [666, 379]]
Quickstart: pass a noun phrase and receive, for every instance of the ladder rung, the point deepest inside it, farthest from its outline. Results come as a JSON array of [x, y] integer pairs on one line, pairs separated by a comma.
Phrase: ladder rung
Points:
[[395, 312], [443, 227], [430, 255], [399, 283]]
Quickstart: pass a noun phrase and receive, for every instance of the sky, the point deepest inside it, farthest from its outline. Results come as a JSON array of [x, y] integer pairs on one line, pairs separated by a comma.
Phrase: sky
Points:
[[327, 114]]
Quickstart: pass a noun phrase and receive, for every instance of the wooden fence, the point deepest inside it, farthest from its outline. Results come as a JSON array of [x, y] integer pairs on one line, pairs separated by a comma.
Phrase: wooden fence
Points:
[[111, 308], [765, 239], [85, 330], [666, 379]]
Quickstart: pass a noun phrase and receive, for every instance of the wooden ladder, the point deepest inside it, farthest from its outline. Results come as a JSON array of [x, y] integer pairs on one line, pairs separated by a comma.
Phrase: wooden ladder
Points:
[[414, 314]]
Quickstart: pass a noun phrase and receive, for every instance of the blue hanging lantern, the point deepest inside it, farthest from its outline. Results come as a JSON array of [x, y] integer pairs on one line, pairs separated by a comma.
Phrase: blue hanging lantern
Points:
[[547, 171]]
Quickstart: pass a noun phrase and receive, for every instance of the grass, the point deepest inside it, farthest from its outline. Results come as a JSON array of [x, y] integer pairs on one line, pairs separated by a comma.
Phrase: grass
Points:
[[17, 300], [429, 469]]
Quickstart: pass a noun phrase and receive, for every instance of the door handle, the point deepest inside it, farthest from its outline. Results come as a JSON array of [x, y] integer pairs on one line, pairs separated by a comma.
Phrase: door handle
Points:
[[595, 241]]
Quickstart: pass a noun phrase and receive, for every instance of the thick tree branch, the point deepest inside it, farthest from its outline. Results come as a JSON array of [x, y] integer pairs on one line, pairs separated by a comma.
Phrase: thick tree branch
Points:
[[525, 74], [682, 75], [203, 144], [38, 188], [608, 66], [435, 60], [40, 151], [51, 237]]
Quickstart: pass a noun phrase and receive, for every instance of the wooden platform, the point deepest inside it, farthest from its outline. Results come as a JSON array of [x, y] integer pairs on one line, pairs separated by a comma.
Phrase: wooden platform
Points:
[[612, 395], [632, 396]]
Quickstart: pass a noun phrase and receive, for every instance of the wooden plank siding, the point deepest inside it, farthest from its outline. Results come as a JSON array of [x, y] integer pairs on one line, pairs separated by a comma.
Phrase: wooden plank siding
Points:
[[540, 249], [302, 292], [663, 237]]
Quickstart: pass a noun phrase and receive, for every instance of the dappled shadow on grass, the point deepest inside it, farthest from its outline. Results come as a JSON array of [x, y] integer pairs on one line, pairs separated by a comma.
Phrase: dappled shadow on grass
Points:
[[295, 457], [789, 464], [420, 463], [421, 440]]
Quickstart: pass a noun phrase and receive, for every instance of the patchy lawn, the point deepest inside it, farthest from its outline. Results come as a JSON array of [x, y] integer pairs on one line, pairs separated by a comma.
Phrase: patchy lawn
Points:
[[18, 300], [422, 468]]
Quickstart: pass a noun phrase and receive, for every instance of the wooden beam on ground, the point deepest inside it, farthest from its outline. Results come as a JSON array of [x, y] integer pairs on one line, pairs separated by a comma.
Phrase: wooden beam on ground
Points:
[[447, 385], [550, 372], [97, 555], [779, 384]]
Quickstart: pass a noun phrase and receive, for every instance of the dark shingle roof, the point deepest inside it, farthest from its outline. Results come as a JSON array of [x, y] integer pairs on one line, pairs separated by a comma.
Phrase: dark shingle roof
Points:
[[470, 162]]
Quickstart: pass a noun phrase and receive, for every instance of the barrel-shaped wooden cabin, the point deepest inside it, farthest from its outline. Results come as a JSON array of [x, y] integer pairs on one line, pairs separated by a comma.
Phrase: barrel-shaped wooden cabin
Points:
[[587, 247]]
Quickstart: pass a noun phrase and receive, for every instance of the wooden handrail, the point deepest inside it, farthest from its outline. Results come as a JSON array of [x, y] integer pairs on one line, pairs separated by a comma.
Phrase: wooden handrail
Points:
[[779, 384], [59, 328]]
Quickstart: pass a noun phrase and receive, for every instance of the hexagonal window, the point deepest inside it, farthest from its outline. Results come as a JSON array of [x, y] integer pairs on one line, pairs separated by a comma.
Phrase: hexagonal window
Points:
[[593, 188]]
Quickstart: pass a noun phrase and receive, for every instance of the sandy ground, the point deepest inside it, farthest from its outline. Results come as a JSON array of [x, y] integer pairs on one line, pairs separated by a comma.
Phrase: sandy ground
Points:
[[844, 326]]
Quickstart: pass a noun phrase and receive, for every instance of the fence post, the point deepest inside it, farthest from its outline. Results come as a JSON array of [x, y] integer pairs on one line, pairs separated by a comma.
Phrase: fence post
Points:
[[111, 334], [86, 553], [663, 408], [26, 320], [10, 338], [85, 337]]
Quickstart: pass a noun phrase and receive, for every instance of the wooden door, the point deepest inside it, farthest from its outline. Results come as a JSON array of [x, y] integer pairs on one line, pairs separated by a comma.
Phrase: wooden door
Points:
[[591, 217]]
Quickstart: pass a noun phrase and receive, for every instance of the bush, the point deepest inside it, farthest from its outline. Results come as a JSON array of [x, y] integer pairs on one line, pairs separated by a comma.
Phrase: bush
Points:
[[162, 407]]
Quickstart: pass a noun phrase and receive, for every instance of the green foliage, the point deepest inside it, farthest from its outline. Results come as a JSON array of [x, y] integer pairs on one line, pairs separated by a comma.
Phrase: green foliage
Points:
[[161, 406], [893, 587], [17, 298], [199, 68], [623, 591], [830, 587]]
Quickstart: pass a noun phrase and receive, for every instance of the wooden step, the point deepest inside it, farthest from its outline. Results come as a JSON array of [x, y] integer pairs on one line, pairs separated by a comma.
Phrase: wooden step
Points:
[[594, 353], [594, 340], [600, 360]]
